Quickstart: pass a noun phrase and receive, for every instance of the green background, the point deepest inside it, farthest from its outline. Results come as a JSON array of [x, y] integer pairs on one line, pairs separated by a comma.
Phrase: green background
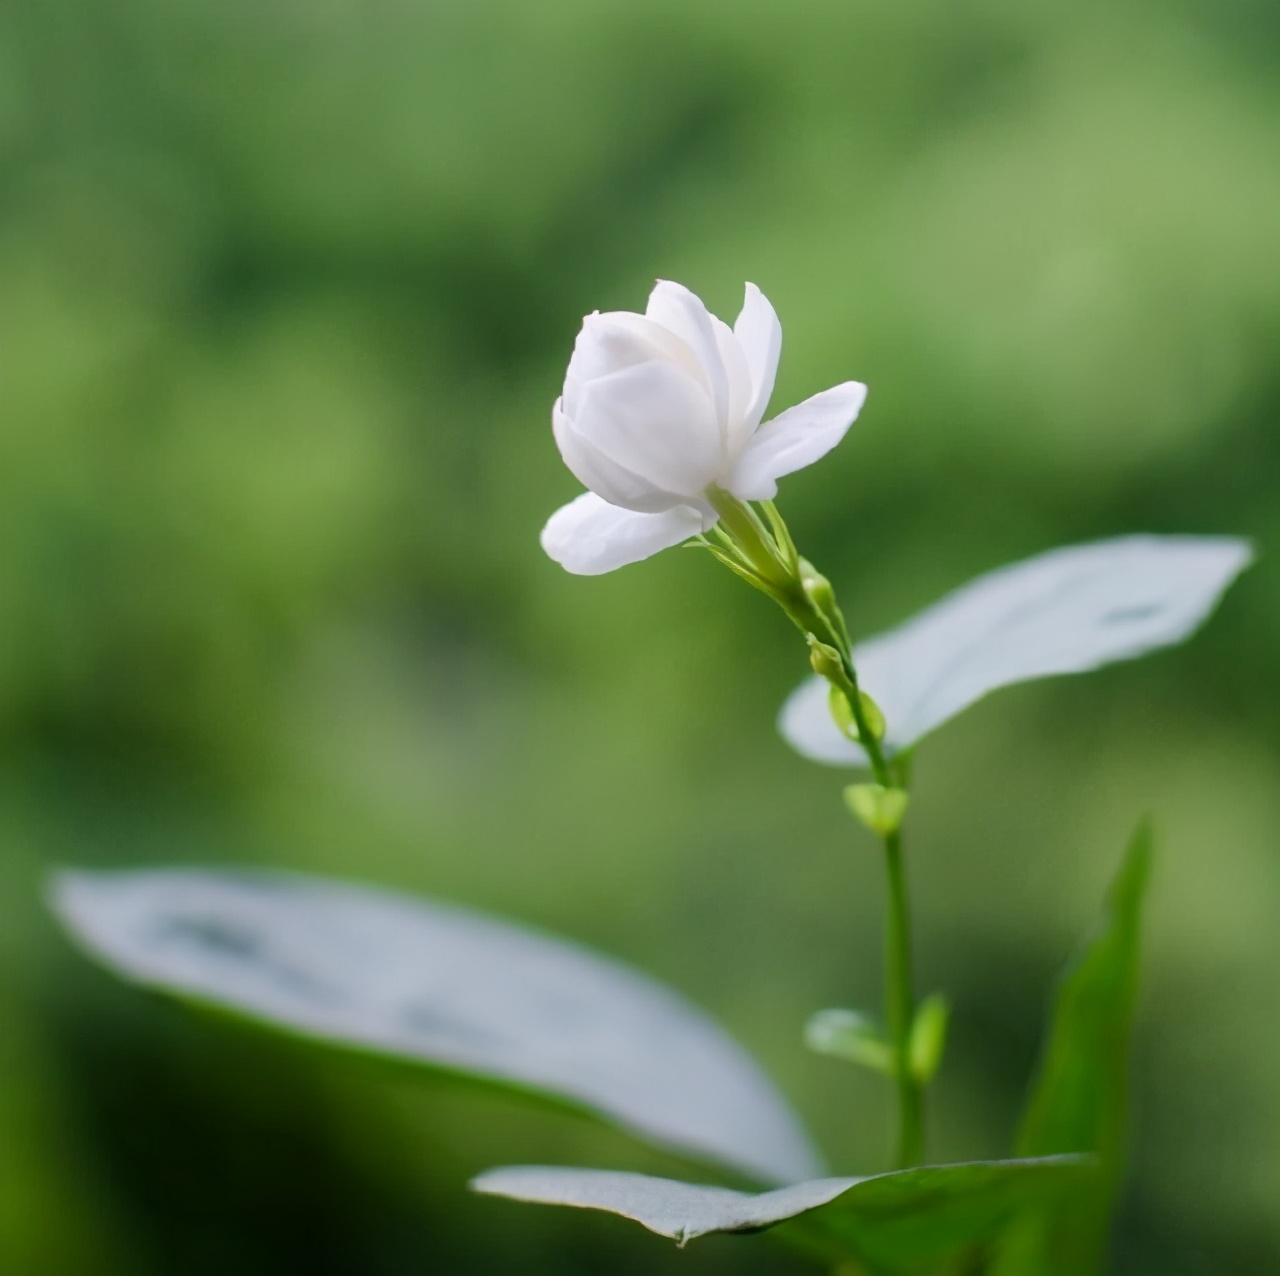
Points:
[[288, 289]]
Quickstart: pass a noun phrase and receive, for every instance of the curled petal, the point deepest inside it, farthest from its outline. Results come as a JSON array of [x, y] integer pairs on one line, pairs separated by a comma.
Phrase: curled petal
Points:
[[759, 335], [682, 312], [592, 468], [655, 421], [590, 537], [735, 428], [619, 339], [793, 439]]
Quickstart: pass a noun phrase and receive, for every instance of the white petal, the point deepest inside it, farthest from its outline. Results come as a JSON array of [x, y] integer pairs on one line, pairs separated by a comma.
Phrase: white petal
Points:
[[591, 467], [619, 339], [589, 537], [657, 422], [682, 312], [793, 439], [735, 428], [760, 335]]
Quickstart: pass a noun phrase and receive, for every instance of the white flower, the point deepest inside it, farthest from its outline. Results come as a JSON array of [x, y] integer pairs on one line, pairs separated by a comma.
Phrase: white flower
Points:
[[661, 411]]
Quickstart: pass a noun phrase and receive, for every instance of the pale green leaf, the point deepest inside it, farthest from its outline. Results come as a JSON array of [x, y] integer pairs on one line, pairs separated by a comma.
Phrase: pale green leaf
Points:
[[435, 984], [906, 1221], [1066, 611]]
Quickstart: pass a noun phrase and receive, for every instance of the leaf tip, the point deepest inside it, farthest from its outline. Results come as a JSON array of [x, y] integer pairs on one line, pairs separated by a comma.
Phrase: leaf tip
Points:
[[1135, 872]]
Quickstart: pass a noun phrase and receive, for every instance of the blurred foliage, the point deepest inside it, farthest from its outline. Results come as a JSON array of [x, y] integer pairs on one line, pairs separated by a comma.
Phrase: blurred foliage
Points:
[[1080, 1097], [288, 290]]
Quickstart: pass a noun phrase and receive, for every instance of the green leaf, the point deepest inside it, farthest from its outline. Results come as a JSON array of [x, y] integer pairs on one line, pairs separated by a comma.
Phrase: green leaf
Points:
[[880, 809], [904, 1222], [1067, 611], [849, 1035], [437, 985], [1079, 1101]]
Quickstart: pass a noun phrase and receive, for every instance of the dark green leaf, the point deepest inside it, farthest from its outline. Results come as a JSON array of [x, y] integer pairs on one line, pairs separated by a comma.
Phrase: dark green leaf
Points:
[[1079, 1101], [438, 985]]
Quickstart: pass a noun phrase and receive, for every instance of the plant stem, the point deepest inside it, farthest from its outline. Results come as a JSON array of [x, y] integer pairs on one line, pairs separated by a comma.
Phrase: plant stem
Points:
[[866, 737], [899, 983], [767, 557], [900, 1006]]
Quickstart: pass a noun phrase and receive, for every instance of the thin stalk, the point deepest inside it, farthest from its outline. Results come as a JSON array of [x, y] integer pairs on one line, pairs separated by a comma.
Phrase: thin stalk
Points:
[[899, 980], [900, 1006], [769, 553], [866, 737]]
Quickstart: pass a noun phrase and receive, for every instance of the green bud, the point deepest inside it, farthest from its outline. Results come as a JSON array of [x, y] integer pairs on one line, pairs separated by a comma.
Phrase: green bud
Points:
[[871, 715], [821, 598], [849, 1035], [879, 808], [842, 713], [928, 1037], [817, 588], [825, 660]]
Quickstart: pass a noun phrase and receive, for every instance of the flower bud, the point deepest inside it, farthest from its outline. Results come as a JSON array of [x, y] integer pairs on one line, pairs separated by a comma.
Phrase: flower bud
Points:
[[842, 713], [928, 1038], [826, 661], [817, 588], [871, 715], [881, 809]]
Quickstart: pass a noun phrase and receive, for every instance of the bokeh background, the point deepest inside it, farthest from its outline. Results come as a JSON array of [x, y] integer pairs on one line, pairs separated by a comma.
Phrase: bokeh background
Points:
[[288, 289]]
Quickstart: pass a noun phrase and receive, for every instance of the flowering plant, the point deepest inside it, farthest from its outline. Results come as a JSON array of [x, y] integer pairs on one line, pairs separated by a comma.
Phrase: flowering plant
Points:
[[662, 419]]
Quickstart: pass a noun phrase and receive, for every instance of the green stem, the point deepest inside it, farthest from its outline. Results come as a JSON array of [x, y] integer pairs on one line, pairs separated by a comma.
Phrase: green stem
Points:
[[900, 1006], [767, 555], [899, 982], [866, 737]]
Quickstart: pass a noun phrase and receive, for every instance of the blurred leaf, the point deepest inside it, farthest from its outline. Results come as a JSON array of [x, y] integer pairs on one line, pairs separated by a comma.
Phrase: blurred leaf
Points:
[[1079, 1102], [880, 809], [1066, 611], [898, 1222], [849, 1035], [439, 985]]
